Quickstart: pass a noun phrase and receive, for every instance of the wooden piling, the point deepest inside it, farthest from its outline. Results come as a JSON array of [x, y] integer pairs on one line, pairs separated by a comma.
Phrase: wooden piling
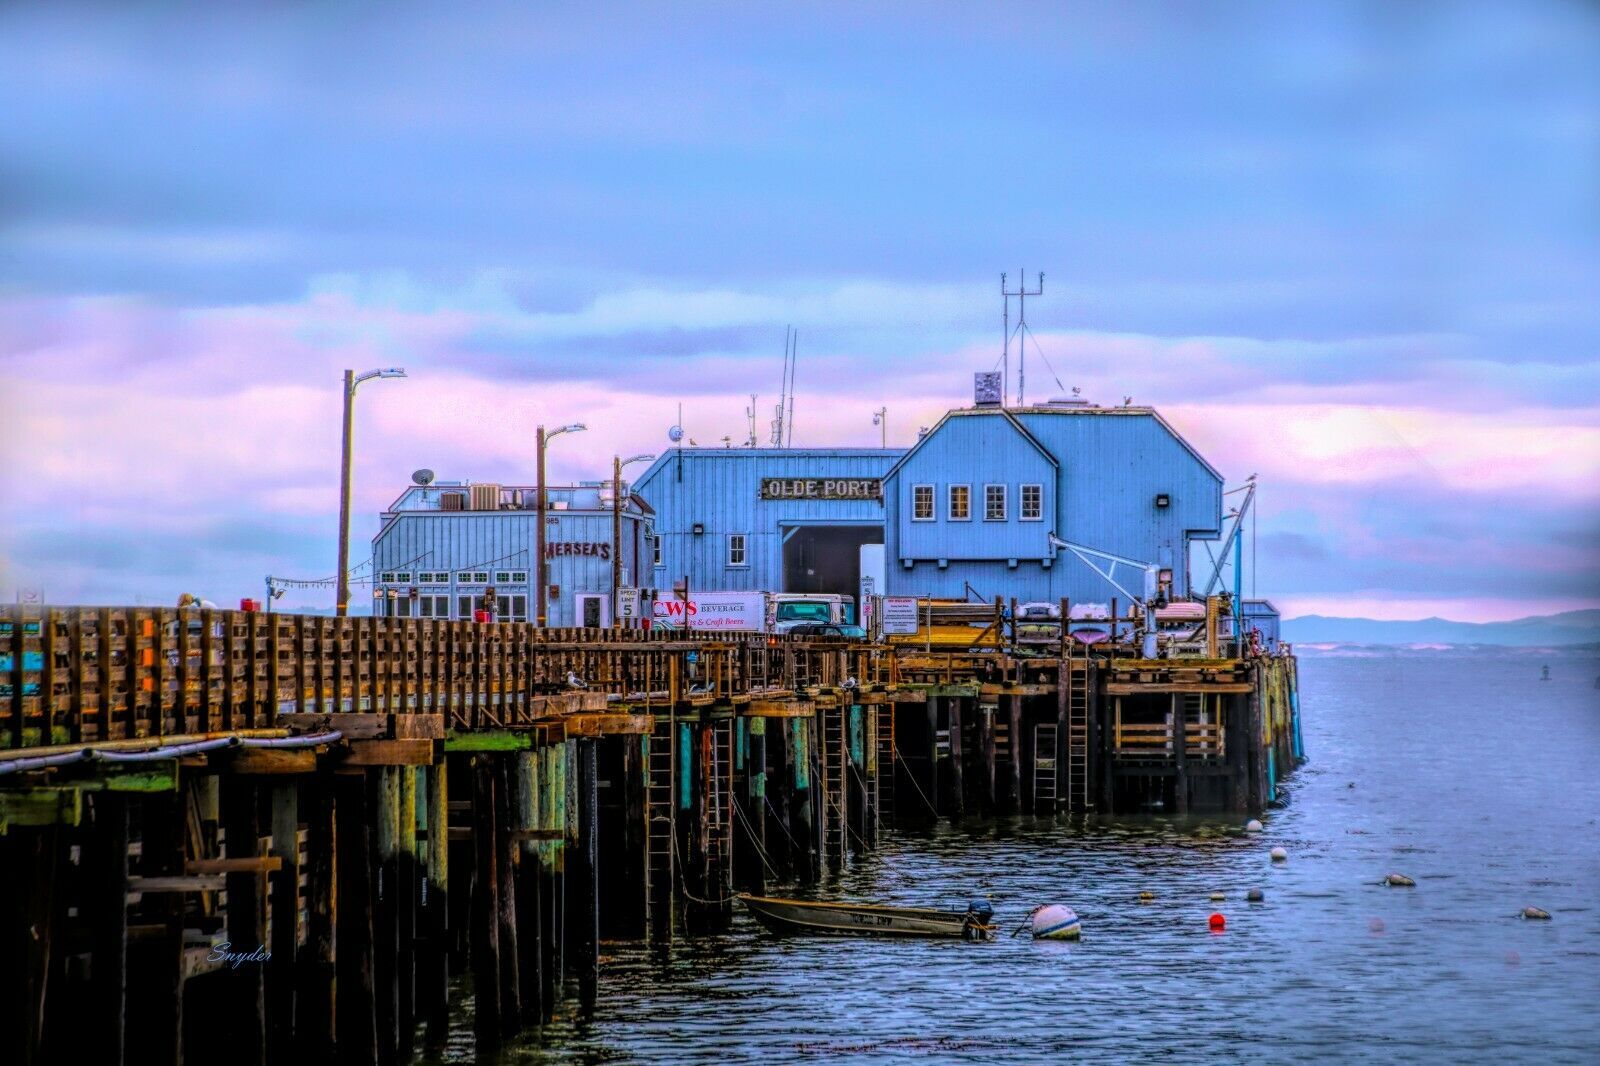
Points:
[[355, 1017], [247, 919], [314, 1012], [485, 913], [105, 875], [283, 968], [505, 822]]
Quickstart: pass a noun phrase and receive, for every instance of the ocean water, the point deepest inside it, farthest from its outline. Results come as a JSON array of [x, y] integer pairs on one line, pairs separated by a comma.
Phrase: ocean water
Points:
[[1465, 772]]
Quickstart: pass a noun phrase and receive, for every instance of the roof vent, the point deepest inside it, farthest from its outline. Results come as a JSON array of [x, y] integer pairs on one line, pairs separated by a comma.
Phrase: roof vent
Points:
[[1075, 400]]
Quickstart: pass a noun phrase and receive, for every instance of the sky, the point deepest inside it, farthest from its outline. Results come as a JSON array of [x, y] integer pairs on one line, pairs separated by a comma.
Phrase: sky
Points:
[[1351, 248]]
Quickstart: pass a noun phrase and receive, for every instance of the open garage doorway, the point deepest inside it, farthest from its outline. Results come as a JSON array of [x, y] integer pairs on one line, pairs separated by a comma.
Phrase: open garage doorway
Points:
[[826, 558]]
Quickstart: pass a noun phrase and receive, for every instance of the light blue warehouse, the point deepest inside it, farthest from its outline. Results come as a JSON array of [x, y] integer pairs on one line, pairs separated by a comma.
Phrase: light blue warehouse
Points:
[[970, 509], [448, 549], [967, 513], [1263, 617], [766, 519]]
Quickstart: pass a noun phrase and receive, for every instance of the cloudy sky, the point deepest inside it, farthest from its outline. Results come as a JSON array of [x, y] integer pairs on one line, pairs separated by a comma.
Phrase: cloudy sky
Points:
[[1354, 249]]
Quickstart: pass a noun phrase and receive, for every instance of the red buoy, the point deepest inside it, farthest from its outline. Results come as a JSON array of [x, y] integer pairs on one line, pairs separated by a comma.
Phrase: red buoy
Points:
[[1218, 923]]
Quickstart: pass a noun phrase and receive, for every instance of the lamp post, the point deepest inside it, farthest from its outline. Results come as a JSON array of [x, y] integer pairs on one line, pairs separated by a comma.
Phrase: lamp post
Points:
[[351, 381], [880, 418], [617, 463], [538, 546]]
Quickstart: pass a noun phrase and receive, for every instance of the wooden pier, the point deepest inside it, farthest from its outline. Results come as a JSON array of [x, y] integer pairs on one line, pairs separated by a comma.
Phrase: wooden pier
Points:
[[282, 834]]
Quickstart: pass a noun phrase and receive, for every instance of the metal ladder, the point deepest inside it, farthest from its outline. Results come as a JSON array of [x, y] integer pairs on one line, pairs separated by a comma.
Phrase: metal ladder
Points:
[[884, 778], [1044, 768], [719, 808], [834, 757], [661, 815], [1078, 798]]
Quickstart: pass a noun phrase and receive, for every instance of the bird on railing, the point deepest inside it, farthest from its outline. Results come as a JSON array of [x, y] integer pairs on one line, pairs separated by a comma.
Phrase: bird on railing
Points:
[[851, 682], [574, 681]]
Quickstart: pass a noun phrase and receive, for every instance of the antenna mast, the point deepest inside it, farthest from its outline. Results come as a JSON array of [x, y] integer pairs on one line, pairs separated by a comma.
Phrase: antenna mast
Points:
[[1022, 295], [780, 412], [794, 359]]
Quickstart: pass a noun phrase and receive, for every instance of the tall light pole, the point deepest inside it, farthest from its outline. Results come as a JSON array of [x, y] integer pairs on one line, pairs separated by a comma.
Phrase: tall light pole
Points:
[[538, 545], [351, 381], [617, 463], [880, 418]]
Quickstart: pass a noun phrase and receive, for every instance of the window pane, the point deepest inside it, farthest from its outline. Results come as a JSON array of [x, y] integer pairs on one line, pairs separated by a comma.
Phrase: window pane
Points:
[[922, 502], [1032, 501], [960, 502], [994, 503], [519, 608], [464, 607]]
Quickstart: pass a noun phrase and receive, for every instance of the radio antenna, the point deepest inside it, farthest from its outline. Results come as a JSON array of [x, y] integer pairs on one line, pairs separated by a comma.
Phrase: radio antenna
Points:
[[1022, 295]]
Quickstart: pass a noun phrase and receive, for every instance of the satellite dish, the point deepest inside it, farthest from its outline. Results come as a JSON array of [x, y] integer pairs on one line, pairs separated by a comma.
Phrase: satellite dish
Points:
[[675, 434], [422, 477]]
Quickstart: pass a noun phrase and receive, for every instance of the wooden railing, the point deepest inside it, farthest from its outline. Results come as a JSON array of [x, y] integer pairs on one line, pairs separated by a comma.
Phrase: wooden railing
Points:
[[1204, 739], [70, 674]]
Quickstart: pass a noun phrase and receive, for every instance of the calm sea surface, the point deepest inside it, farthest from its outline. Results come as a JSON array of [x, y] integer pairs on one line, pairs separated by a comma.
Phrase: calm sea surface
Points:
[[1466, 773]]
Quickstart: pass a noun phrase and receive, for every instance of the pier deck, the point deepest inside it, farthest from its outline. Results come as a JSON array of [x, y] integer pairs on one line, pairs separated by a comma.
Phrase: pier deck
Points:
[[377, 803]]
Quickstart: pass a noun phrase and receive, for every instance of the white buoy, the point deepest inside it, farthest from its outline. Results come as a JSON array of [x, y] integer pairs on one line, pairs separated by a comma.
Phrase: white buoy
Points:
[[1055, 921], [1252, 826], [1280, 854], [1218, 897]]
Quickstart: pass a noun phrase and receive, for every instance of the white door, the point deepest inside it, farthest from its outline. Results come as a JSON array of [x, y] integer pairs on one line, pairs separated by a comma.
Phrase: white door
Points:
[[593, 610]]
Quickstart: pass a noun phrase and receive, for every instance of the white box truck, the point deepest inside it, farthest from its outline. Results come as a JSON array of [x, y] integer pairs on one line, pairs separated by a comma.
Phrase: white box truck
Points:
[[748, 612]]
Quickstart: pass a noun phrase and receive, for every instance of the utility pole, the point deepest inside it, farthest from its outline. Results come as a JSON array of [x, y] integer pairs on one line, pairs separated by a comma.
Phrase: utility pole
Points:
[[1022, 295]]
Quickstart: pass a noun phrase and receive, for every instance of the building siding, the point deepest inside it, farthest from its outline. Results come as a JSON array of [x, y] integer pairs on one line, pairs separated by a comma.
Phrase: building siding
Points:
[[505, 540], [720, 488]]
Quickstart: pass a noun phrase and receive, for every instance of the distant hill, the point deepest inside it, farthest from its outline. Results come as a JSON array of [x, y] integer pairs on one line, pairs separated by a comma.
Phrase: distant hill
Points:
[[1569, 627]]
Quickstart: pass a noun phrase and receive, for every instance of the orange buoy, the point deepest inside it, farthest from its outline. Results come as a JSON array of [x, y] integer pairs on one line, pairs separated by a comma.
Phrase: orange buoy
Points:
[[1218, 923]]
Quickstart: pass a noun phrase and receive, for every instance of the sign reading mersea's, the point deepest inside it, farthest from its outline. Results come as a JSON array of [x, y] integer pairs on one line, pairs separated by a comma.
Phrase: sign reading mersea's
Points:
[[821, 488]]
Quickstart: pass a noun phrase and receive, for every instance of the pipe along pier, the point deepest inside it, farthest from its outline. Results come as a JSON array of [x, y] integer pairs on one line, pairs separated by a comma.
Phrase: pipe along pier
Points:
[[360, 807]]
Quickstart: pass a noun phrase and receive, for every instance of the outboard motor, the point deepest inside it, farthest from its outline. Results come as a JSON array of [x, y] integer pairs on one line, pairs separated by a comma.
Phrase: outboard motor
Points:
[[979, 915]]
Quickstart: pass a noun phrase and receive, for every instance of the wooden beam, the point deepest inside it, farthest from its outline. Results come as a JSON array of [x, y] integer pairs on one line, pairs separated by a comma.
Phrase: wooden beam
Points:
[[247, 865], [389, 753], [1136, 688], [178, 883], [606, 725], [270, 761], [41, 806], [780, 709], [354, 726]]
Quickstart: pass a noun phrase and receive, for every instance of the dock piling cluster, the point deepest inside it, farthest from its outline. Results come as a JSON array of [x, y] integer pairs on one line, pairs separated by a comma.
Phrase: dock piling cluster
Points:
[[283, 834]]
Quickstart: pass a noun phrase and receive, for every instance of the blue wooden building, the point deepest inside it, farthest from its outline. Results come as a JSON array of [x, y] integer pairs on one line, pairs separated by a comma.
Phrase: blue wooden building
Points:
[[968, 512], [443, 549], [765, 519]]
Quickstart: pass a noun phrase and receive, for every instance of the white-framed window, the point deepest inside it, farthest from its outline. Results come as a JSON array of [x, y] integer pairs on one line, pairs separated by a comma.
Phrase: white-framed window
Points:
[[922, 503], [1032, 503], [738, 550], [464, 608], [510, 577], [994, 503], [473, 577], [655, 548], [512, 608], [403, 577], [433, 606], [386, 578], [960, 499]]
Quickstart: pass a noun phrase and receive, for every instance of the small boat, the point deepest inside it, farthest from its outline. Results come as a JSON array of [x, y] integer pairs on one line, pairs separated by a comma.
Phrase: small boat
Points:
[[811, 918]]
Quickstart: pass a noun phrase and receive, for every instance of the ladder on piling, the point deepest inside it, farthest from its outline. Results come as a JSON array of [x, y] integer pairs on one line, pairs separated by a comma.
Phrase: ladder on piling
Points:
[[661, 817], [1044, 768], [884, 778], [834, 756], [719, 809], [1078, 797]]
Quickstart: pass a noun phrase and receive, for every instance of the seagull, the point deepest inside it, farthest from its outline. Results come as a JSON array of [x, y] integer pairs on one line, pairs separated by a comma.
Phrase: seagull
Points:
[[851, 682], [574, 681]]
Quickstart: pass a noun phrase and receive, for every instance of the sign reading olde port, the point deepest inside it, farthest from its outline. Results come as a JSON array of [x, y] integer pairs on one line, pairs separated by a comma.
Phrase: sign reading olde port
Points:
[[821, 488]]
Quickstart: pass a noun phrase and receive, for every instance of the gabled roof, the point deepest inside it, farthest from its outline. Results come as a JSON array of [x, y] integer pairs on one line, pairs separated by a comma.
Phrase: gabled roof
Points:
[[969, 412]]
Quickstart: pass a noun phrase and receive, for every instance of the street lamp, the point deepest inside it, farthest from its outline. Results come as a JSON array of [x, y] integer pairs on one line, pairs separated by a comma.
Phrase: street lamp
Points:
[[538, 548], [880, 418], [617, 463], [351, 380]]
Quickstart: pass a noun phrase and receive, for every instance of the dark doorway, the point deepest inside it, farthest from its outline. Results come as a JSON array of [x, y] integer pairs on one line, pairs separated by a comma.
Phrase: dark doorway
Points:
[[827, 558]]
